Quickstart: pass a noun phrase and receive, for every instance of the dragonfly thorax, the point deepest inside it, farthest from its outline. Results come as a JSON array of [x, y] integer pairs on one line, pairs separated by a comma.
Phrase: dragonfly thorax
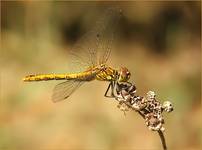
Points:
[[106, 73]]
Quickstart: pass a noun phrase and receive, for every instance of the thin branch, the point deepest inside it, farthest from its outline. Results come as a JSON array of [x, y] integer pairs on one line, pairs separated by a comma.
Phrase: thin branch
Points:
[[163, 141]]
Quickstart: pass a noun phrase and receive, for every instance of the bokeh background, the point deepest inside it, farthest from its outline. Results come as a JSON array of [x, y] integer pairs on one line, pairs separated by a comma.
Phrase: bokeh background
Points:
[[160, 42]]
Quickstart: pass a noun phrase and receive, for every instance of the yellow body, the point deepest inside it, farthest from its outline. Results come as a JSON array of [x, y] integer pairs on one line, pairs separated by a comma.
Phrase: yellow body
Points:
[[99, 73]]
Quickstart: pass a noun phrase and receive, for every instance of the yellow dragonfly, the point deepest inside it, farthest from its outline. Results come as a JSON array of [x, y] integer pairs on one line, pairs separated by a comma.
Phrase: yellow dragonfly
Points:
[[90, 54]]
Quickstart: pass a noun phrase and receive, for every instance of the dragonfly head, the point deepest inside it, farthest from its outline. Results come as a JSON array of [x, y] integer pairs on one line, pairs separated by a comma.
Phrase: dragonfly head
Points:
[[124, 74]]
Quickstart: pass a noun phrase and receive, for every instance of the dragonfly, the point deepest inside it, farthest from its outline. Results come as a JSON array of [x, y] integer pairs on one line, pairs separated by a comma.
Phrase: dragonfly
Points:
[[89, 55]]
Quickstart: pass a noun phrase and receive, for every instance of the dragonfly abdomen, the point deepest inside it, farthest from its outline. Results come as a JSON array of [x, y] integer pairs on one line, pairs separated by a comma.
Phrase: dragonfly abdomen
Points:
[[44, 77], [84, 76]]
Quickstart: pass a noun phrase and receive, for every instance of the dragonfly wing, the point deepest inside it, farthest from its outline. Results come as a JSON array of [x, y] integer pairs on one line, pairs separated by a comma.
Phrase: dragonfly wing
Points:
[[63, 90], [84, 54], [95, 46], [107, 29]]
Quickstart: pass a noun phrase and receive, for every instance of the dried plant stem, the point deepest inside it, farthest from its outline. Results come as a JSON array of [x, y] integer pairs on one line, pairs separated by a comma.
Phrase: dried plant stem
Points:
[[163, 141]]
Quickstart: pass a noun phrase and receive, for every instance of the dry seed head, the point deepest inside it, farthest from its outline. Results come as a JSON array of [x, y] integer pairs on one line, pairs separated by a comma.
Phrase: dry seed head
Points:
[[154, 122], [167, 106], [151, 95]]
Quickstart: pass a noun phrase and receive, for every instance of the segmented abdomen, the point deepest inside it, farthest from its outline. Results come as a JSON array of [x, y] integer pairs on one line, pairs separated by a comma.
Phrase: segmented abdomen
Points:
[[84, 76]]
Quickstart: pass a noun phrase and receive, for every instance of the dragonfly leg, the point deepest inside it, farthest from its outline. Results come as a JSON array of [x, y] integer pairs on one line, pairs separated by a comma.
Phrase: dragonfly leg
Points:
[[107, 90], [112, 88], [111, 85]]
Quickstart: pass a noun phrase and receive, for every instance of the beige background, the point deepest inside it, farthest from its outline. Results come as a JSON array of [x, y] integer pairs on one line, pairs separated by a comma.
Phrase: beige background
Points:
[[159, 43]]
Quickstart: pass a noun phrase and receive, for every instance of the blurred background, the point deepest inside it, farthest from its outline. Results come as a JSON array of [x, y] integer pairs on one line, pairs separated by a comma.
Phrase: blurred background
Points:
[[160, 43]]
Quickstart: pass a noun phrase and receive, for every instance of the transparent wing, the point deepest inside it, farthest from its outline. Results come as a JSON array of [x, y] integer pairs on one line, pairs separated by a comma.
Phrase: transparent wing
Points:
[[65, 89], [95, 46], [84, 54], [107, 29]]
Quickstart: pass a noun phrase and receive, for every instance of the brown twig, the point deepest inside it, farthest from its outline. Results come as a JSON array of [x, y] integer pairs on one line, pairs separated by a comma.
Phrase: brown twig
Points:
[[163, 141]]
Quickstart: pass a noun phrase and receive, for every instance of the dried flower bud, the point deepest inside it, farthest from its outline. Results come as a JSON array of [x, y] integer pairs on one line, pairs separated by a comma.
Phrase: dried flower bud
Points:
[[154, 106], [167, 106], [154, 122], [162, 129], [138, 103], [151, 95], [149, 107]]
